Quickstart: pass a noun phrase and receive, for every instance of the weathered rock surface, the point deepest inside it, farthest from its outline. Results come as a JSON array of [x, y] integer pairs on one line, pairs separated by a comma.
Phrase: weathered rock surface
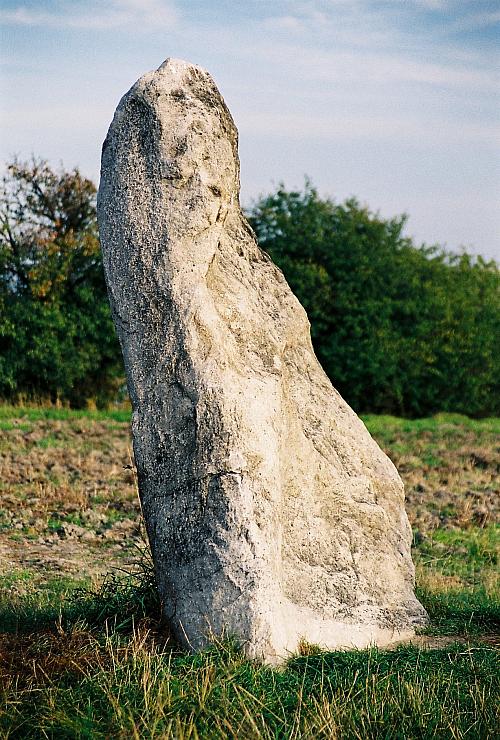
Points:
[[271, 512]]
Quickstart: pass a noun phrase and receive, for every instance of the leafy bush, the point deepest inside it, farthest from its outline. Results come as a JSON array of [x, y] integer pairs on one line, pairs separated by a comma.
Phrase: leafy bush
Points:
[[399, 329], [57, 339]]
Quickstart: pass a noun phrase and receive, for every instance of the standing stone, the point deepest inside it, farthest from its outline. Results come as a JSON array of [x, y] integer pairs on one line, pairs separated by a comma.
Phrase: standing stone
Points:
[[271, 513]]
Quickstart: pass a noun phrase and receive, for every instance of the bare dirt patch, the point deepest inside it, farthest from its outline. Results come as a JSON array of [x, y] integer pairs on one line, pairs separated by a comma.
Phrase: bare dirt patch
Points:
[[68, 497], [69, 503]]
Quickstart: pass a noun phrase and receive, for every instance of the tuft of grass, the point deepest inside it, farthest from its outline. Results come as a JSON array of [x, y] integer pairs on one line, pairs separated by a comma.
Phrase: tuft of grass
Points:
[[26, 606], [470, 556], [458, 612], [121, 600]]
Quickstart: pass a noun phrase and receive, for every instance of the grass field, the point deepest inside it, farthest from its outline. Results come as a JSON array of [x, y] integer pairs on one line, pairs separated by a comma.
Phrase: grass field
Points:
[[84, 655]]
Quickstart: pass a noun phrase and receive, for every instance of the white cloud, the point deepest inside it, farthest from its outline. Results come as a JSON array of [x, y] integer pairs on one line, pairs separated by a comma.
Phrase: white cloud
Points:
[[476, 21], [403, 129], [371, 66], [432, 4], [285, 22], [358, 42], [109, 14]]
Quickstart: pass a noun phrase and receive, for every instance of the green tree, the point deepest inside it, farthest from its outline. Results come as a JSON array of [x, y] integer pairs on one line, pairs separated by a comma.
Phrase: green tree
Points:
[[56, 335], [398, 328]]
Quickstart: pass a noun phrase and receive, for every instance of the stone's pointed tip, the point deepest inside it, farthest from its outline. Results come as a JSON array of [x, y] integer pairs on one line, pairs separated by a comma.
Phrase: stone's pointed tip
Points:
[[176, 66]]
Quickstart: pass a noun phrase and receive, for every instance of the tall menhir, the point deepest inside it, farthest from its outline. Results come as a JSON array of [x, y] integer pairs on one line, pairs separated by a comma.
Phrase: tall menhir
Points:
[[271, 513]]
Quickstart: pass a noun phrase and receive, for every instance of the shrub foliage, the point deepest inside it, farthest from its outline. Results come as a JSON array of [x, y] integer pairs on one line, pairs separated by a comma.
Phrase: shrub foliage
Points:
[[56, 335], [399, 329]]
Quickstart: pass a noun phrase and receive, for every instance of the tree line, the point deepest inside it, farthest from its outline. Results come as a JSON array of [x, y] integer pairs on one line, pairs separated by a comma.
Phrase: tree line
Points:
[[399, 328]]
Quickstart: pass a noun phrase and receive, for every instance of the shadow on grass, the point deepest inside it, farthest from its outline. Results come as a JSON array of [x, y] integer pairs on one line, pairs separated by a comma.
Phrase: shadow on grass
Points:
[[119, 603], [468, 613]]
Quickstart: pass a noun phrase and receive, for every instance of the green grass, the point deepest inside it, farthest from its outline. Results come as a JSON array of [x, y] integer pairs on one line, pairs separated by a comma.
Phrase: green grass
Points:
[[120, 600], [136, 688], [384, 425], [459, 580], [469, 554], [54, 413], [93, 663], [26, 606], [470, 614], [94, 669], [8, 426], [378, 425], [15, 577], [50, 441]]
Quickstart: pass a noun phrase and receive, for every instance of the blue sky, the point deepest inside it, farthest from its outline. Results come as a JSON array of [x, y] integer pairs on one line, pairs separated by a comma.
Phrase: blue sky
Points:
[[394, 101]]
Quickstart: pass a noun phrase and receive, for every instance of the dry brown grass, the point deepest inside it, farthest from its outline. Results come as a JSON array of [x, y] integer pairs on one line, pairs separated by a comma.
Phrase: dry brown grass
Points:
[[69, 500], [67, 493]]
